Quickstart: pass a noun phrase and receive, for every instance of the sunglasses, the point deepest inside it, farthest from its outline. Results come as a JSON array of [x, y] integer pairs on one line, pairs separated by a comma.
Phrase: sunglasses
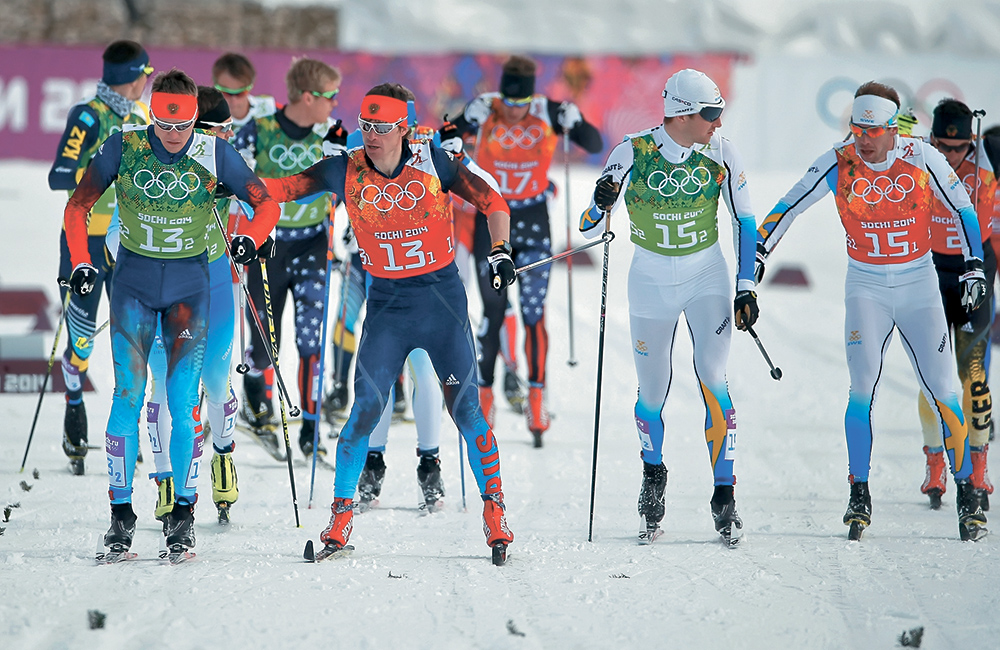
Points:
[[515, 103], [171, 126], [944, 148], [381, 128], [146, 69], [870, 131], [233, 91], [710, 113], [330, 94], [222, 126]]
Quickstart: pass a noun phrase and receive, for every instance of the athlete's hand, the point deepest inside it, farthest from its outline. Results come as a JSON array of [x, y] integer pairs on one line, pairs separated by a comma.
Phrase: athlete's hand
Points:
[[745, 309], [266, 250], [242, 249], [758, 267], [973, 285], [569, 116], [450, 138], [502, 266], [606, 193], [350, 242], [478, 110], [84, 279], [222, 192], [335, 141]]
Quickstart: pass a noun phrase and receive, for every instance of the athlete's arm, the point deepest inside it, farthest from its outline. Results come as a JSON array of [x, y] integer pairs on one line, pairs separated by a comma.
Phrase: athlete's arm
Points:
[[619, 167], [583, 133], [950, 190], [736, 194], [328, 175], [820, 178], [100, 175], [82, 127], [232, 171]]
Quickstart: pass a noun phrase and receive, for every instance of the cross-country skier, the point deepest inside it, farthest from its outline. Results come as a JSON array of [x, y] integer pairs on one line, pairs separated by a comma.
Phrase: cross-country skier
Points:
[[233, 75], [885, 186], [220, 401], [673, 176], [126, 69], [952, 135], [165, 178], [281, 144], [396, 199], [518, 133]]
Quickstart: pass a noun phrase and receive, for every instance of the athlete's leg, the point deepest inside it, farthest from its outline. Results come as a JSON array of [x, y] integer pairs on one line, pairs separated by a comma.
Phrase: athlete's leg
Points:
[[494, 305], [309, 293], [427, 400], [157, 414], [220, 401], [531, 242]]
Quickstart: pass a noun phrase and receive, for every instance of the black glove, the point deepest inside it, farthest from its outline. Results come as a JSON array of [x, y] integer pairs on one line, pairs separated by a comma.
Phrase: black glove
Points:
[[745, 309], [335, 141], [606, 193], [84, 279], [502, 266], [266, 250], [758, 267], [973, 285], [242, 249], [222, 192], [451, 139]]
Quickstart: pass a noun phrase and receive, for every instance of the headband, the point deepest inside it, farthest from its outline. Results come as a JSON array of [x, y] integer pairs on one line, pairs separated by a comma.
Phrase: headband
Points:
[[517, 86], [380, 107], [116, 74], [173, 106], [872, 110], [217, 114], [950, 125]]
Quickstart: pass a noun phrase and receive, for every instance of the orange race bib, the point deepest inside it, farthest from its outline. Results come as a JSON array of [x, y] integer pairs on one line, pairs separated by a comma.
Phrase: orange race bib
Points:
[[944, 228], [518, 155], [886, 215]]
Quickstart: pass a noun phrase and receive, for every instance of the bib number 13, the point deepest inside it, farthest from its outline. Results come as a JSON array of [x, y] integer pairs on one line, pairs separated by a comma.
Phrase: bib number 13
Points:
[[412, 256], [172, 240]]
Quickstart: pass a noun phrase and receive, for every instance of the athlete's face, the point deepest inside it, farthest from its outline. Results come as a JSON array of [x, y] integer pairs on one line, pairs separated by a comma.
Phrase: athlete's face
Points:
[[239, 103], [875, 148], [513, 114], [954, 149], [384, 150], [319, 105], [173, 139], [688, 130]]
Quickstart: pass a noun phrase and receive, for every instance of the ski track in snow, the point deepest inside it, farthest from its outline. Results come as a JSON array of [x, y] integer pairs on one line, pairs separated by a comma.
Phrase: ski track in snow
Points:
[[427, 582]]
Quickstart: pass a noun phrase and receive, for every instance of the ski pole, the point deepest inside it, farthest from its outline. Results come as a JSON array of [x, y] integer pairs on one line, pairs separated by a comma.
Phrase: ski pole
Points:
[[606, 238], [45, 380], [775, 372], [243, 367], [322, 356], [345, 278], [979, 115], [85, 342], [569, 260]]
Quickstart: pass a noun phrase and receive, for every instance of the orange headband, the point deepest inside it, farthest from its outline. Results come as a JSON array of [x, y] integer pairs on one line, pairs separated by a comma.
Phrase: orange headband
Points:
[[170, 106], [379, 107]]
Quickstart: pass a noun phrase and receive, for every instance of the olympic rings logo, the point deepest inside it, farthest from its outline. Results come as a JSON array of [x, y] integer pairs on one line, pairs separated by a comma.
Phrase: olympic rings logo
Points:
[[517, 136], [166, 182], [971, 181], [295, 156], [883, 187], [835, 97], [394, 196], [679, 180]]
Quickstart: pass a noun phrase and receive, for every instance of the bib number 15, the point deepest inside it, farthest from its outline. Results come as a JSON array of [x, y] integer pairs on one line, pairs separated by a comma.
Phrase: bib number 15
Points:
[[895, 244]]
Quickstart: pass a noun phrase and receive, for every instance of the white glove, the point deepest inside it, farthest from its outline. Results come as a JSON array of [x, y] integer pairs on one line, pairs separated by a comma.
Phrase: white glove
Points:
[[479, 109], [350, 242], [569, 116], [454, 145]]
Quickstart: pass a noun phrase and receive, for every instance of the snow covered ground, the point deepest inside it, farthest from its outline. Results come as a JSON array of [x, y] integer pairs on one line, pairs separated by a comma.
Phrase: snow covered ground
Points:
[[426, 582]]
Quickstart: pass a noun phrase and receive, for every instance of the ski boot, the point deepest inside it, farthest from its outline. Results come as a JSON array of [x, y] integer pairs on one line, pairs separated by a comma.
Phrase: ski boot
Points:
[[335, 403], [487, 405], [179, 533], [429, 477], [935, 482], [75, 436], [164, 496], [981, 476], [498, 535], [258, 413], [338, 531], [118, 539], [652, 501], [512, 390], [537, 414], [225, 485], [727, 520], [370, 482], [306, 434], [859, 510], [971, 520]]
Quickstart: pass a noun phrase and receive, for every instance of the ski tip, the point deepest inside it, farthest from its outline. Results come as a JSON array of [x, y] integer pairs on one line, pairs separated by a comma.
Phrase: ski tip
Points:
[[499, 554], [309, 554]]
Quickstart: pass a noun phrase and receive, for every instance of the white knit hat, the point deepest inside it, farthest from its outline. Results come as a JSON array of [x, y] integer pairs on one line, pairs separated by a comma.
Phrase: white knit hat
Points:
[[689, 91]]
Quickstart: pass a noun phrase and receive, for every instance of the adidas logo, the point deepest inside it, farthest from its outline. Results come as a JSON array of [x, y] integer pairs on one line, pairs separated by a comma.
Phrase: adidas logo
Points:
[[186, 334], [451, 381], [967, 328]]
